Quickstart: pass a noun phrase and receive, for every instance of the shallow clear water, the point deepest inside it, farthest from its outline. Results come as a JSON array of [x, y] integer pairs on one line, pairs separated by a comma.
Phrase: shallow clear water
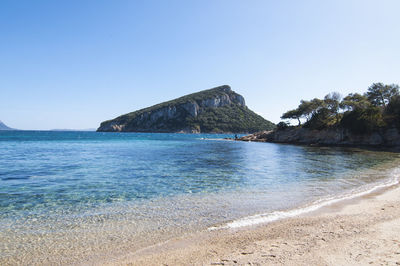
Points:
[[72, 196]]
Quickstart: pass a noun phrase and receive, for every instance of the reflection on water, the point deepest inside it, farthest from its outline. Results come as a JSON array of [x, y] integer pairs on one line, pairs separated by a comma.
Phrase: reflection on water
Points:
[[71, 196]]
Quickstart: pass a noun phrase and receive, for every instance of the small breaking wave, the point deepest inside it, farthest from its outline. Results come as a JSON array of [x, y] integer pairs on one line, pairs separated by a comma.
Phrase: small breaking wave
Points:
[[279, 215]]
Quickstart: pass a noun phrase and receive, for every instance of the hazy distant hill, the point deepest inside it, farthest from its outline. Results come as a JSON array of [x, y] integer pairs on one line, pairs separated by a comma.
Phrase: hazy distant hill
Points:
[[4, 127], [67, 129], [216, 110]]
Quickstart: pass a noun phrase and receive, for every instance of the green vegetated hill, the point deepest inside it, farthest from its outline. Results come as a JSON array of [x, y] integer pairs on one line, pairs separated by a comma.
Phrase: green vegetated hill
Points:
[[216, 110]]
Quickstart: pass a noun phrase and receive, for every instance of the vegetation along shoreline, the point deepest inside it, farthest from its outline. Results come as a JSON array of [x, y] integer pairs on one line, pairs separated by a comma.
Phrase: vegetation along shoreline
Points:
[[371, 119]]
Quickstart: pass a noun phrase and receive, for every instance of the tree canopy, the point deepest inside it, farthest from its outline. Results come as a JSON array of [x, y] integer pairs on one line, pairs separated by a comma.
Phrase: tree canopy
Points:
[[379, 94], [354, 101], [378, 107]]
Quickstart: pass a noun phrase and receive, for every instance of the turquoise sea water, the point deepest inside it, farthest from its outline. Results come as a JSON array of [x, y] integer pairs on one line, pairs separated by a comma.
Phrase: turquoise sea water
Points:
[[67, 197]]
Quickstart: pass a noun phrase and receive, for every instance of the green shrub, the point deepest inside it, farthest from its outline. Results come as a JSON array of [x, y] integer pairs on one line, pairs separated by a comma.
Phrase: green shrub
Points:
[[362, 121]]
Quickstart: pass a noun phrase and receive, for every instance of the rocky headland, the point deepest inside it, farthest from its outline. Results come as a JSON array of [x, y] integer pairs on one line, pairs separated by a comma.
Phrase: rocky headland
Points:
[[217, 110]]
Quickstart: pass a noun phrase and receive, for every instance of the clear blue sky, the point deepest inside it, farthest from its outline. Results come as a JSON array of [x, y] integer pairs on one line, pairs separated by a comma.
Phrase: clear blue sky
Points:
[[73, 64]]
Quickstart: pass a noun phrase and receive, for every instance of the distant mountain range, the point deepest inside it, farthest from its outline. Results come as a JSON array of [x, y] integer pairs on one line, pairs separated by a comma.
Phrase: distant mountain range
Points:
[[4, 127], [217, 110]]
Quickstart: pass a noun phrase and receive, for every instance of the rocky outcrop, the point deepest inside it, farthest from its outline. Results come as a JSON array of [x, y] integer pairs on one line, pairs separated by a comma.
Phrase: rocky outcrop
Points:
[[192, 113], [4, 127], [333, 137]]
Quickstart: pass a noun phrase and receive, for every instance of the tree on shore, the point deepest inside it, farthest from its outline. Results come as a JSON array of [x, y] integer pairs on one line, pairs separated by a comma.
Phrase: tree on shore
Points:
[[379, 94], [292, 114], [306, 110], [354, 101], [392, 111], [332, 103], [379, 107]]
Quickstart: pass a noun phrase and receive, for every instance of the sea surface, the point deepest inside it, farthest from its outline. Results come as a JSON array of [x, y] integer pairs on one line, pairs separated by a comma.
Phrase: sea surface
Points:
[[74, 197]]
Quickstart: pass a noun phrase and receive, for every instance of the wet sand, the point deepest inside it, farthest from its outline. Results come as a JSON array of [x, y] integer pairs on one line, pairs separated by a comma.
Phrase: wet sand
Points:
[[362, 231]]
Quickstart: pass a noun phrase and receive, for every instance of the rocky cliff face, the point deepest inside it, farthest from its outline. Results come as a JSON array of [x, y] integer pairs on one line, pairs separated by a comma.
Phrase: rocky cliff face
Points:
[[335, 137], [186, 114]]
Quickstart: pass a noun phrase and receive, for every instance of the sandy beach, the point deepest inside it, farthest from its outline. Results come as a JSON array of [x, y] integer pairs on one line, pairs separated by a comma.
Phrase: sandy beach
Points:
[[361, 231]]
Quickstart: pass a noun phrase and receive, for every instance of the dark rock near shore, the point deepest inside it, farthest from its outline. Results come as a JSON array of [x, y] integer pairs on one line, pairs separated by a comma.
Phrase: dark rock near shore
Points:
[[389, 137]]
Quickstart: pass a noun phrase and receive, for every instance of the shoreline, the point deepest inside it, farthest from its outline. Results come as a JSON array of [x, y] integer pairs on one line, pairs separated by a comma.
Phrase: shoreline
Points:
[[359, 230], [312, 207], [384, 138], [377, 148]]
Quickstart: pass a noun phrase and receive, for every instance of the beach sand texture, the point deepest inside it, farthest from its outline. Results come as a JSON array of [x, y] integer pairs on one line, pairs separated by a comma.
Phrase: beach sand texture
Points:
[[363, 231]]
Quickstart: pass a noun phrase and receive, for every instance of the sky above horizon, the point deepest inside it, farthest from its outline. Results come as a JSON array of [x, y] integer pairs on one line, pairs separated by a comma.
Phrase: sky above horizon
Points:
[[74, 64]]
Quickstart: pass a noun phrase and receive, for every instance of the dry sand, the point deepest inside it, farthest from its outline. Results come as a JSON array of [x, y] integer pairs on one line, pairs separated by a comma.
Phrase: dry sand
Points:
[[365, 231]]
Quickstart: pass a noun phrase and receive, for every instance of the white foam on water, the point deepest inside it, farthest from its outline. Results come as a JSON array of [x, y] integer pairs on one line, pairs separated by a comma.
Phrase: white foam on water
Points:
[[279, 215], [216, 139]]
